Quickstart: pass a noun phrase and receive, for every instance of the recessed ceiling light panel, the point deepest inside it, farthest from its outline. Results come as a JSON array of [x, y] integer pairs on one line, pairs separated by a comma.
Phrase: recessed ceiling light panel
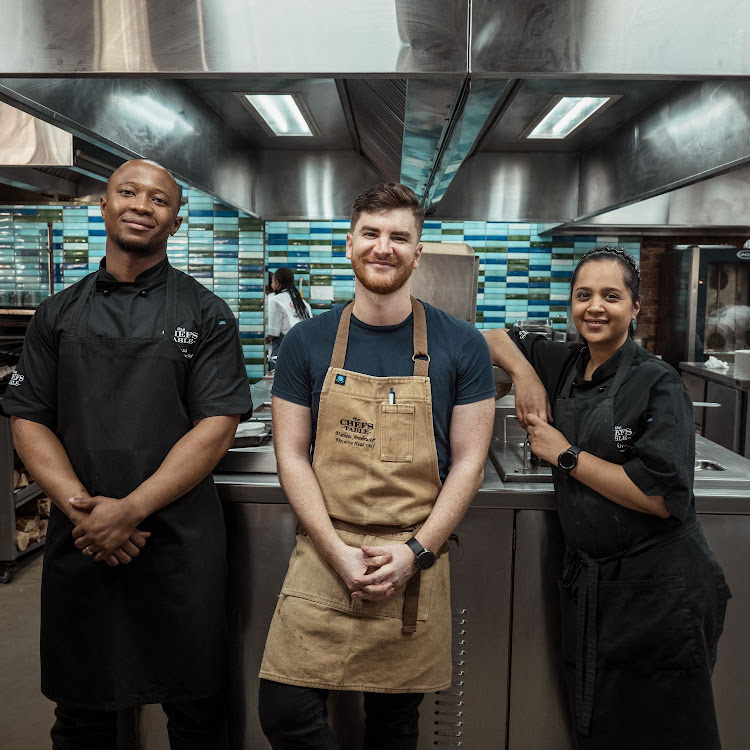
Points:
[[565, 115], [280, 114]]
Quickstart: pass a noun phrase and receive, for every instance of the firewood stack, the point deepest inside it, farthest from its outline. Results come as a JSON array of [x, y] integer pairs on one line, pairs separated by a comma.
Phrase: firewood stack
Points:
[[32, 517]]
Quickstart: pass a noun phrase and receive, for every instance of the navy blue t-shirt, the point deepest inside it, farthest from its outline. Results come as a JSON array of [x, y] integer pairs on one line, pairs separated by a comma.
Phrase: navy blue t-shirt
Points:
[[460, 365]]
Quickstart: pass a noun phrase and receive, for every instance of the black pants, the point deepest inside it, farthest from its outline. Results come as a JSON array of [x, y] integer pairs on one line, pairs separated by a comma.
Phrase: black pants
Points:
[[296, 717], [193, 725]]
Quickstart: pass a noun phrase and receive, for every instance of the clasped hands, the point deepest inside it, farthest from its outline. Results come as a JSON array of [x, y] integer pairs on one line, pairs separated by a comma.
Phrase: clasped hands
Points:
[[106, 529], [374, 573]]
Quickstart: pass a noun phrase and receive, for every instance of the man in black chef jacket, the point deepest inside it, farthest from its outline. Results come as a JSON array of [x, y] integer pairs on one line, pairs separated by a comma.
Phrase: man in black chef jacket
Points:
[[129, 390]]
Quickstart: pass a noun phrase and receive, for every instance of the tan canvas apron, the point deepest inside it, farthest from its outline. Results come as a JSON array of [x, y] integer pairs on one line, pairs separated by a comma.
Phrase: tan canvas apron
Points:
[[376, 464]]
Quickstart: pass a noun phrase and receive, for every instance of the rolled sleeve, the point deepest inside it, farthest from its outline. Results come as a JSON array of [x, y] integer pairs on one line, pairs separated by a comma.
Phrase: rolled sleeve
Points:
[[548, 358], [664, 451], [475, 380], [292, 380], [32, 392], [217, 382]]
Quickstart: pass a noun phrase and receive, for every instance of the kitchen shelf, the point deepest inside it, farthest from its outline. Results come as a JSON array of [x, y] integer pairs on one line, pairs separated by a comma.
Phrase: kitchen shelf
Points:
[[24, 494]]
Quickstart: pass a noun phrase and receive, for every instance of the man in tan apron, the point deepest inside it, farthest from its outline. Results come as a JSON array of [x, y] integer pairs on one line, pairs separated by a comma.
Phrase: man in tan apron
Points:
[[403, 422]]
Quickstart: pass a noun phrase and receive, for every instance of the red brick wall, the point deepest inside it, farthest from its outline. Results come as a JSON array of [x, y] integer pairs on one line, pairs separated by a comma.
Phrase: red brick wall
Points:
[[651, 250]]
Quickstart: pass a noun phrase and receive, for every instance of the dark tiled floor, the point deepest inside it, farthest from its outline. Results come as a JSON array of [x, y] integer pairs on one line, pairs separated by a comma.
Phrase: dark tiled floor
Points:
[[25, 714]]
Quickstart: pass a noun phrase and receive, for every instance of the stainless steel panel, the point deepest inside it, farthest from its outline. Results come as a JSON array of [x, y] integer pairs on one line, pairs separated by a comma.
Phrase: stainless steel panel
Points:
[[513, 187], [696, 387], [651, 38], [28, 178], [729, 537], [145, 117], [539, 718], [481, 579], [30, 142], [447, 278], [697, 130], [722, 425], [311, 185], [719, 202], [378, 110], [234, 36]]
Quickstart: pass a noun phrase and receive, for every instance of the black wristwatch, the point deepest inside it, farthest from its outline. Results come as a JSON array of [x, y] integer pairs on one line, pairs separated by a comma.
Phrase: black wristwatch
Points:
[[423, 558], [568, 459]]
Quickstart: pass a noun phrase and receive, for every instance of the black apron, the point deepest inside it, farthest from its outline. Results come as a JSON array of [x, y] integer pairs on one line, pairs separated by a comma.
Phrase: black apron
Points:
[[152, 631], [643, 602]]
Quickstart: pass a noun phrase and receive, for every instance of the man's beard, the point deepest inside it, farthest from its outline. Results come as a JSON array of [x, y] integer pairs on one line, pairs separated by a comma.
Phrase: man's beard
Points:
[[134, 248], [381, 284]]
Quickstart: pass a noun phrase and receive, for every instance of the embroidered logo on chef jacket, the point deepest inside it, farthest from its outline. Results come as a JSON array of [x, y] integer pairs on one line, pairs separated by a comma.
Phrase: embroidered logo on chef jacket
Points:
[[185, 339], [623, 438], [16, 379]]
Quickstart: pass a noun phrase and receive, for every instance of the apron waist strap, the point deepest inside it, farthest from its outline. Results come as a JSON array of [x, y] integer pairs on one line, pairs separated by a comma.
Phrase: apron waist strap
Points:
[[587, 586], [411, 593]]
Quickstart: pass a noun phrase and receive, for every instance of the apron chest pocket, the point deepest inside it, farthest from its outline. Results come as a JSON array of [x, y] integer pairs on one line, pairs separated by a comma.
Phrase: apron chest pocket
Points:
[[397, 432]]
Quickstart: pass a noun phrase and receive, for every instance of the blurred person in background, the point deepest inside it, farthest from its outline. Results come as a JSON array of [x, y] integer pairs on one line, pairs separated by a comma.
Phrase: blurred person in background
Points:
[[285, 308]]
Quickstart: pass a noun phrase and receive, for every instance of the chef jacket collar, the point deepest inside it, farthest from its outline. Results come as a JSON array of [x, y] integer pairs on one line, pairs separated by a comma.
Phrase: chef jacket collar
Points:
[[147, 278], [603, 372]]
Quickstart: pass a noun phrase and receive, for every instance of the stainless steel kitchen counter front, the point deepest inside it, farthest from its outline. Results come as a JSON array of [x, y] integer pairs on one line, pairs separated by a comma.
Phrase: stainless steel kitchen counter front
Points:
[[506, 621]]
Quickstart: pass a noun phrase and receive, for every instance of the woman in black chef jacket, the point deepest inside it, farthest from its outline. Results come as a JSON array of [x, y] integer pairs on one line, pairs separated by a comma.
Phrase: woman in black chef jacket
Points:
[[642, 596]]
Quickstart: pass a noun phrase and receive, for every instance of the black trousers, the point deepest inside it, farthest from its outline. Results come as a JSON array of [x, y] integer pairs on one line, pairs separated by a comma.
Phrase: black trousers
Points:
[[296, 717], [192, 725]]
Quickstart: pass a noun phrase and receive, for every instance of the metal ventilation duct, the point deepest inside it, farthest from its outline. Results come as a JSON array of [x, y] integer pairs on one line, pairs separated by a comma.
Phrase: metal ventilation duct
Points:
[[378, 109]]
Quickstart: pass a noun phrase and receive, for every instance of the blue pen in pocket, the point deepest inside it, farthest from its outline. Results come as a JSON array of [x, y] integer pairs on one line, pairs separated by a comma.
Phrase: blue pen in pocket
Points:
[[392, 397]]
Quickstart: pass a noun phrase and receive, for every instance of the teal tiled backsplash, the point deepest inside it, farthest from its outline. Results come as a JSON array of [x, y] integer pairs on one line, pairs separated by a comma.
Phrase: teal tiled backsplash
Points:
[[219, 246], [521, 275]]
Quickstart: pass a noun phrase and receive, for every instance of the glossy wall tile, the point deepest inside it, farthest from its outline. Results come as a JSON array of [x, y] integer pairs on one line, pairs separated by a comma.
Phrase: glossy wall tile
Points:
[[222, 248], [521, 274]]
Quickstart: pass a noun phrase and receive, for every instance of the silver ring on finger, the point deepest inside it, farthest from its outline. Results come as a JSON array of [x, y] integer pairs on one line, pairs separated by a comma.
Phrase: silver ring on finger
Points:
[[87, 551]]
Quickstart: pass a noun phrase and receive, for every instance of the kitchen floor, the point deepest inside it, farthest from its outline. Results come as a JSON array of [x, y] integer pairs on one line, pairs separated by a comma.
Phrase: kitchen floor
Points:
[[25, 714]]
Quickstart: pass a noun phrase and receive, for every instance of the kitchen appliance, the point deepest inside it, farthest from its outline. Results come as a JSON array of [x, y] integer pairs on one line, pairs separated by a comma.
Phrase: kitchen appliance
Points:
[[705, 303]]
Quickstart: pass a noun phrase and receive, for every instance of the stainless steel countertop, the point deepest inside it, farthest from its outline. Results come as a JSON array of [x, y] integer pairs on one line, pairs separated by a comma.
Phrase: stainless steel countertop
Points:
[[727, 378], [711, 495], [714, 493]]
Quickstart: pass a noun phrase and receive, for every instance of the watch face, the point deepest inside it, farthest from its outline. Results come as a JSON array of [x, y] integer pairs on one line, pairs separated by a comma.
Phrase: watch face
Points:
[[425, 560], [566, 461]]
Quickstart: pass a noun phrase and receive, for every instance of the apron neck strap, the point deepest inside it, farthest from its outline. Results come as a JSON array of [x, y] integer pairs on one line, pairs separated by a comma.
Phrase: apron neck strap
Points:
[[170, 308], [75, 315], [420, 356], [628, 352]]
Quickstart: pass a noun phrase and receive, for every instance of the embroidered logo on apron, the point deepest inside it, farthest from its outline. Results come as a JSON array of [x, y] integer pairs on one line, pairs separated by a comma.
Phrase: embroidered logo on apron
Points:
[[623, 437], [185, 339], [354, 433], [340, 379]]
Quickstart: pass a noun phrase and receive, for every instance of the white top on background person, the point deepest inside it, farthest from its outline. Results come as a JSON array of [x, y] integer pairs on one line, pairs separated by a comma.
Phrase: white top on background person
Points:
[[282, 311]]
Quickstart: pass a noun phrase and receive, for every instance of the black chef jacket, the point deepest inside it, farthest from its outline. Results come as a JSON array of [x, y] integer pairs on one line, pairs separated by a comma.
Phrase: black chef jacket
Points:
[[206, 333], [654, 423]]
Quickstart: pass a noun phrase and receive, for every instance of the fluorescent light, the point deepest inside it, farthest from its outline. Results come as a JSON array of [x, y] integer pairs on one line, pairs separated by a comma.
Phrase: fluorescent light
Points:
[[568, 115], [281, 113]]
